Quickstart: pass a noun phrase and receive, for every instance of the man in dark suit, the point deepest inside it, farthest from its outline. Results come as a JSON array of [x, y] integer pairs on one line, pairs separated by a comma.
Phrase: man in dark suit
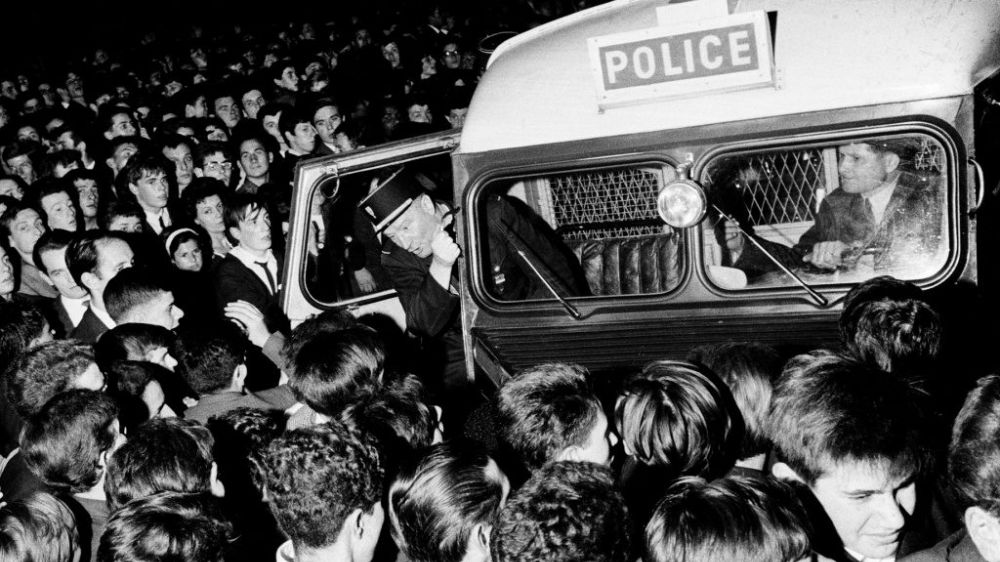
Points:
[[251, 273], [93, 260], [880, 209], [50, 257]]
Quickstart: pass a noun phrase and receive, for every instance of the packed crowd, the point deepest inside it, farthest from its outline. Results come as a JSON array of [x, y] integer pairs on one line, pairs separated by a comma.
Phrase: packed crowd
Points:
[[155, 403]]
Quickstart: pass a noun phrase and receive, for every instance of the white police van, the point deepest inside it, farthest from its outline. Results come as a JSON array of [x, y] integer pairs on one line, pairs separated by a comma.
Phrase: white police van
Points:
[[636, 128]]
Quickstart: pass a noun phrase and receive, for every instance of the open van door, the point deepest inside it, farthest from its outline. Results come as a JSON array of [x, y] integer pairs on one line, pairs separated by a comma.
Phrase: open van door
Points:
[[331, 261]]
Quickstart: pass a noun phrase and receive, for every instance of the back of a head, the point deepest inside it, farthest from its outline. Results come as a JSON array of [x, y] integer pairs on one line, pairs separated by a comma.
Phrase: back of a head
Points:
[[546, 409], [737, 518], [208, 365], [63, 444], [830, 409], [314, 478], [441, 500], [130, 342], [21, 325], [567, 511], [130, 290], [163, 455], [679, 416], [899, 336], [749, 369], [335, 367], [879, 288], [974, 452], [167, 526], [38, 528], [44, 371], [324, 322], [399, 416]]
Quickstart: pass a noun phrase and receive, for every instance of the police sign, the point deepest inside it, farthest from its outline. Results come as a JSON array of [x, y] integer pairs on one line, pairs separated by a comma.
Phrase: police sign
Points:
[[683, 59]]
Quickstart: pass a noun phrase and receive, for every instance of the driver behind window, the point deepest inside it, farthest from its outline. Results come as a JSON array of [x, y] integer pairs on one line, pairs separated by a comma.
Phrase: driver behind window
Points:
[[880, 215]]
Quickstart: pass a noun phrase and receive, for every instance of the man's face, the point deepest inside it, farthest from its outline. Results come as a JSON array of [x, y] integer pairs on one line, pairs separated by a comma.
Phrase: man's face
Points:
[[160, 311], [122, 125], [22, 166], [252, 101], [254, 232], [227, 110], [59, 211], [861, 168], [289, 79], [121, 155], [217, 165], [112, 257], [391, 54], [303, 139], [271, 126], [254, 159], [216, 133], [89, 196], [209, 214], [415, 229], [419, 113], [6, 273], [10, 188], [867, 507], [327, 119], [8, 89], [55, 263], [28, 133], [183, 163], [125, 223], [456, 117], [25, 230], [452, 58], [151, 190], [4, 117], [197, 109]]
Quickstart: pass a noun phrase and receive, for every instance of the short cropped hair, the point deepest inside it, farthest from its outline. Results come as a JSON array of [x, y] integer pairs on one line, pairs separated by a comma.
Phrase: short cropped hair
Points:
[[566, 511], [738, 518], [749, 370], [208, 365], [38, 528], [120, 208], [131, 342], [167, 526], [63, 443], [314, 478], [327, 321], [829, 409], [83, 253], [132, 288], [21, 323], [162, 455], [144, 163], [45, 371], [437, 501], [680, 416], [974, 452], [546, 409], [901, 337], [336, 367]]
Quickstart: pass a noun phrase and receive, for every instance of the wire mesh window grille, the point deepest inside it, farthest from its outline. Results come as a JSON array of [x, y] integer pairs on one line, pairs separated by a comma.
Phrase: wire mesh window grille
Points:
[[776, 187], [606, 203]]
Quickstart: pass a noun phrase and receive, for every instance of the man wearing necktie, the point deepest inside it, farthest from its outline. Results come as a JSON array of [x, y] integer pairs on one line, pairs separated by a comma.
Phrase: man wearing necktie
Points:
[[879, 210]]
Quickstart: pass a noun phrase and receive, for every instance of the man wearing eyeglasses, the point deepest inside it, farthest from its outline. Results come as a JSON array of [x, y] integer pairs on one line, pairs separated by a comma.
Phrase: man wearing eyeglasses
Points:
[[212, 160], [326, 119]]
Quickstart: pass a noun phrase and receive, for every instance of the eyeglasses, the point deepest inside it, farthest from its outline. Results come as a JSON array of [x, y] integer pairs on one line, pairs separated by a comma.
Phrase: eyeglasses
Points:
[[216, 166]]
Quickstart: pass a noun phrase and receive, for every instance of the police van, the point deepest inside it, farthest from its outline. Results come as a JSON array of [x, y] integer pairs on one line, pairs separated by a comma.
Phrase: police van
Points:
[[648, 135]]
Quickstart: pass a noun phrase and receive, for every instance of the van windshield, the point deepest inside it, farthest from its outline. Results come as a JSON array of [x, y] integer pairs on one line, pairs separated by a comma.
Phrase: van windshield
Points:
[[837, 213]]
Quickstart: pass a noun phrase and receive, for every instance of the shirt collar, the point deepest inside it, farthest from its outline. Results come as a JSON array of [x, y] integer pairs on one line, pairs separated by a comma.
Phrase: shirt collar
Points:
[[104, 317]]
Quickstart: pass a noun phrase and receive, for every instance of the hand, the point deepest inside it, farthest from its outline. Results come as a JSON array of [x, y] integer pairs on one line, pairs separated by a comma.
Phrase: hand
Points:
[[365, 280], [734, 240], [444, 249], [827, 255], [250, 319]]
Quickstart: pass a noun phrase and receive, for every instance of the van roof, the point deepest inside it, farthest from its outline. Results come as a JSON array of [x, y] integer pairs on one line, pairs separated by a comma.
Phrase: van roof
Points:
[[539, 87]]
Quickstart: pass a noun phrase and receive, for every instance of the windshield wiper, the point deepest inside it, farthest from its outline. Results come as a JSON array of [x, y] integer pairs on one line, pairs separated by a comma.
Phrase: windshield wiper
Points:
[[820, 299]]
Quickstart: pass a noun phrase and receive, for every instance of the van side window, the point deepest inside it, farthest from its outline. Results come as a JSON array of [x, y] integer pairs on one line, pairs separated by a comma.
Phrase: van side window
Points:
[[580, 234], [836, 213]]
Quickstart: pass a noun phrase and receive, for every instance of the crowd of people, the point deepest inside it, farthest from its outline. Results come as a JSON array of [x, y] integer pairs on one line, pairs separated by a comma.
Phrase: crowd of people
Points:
[[155, 403]]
